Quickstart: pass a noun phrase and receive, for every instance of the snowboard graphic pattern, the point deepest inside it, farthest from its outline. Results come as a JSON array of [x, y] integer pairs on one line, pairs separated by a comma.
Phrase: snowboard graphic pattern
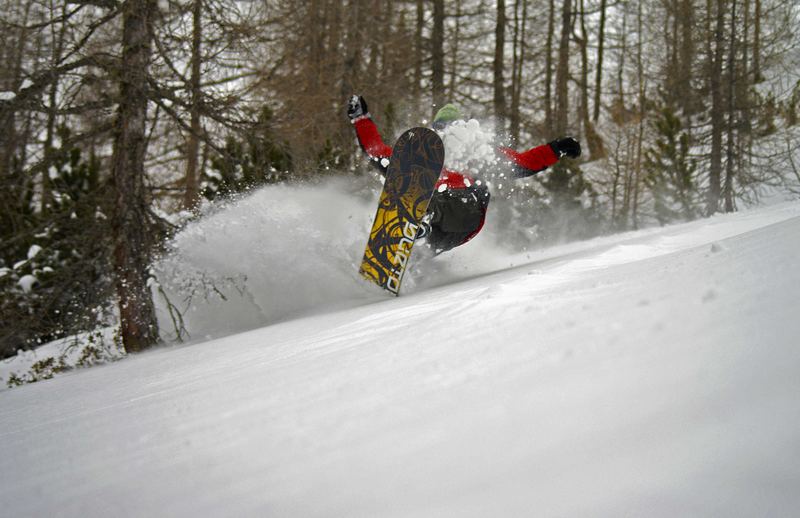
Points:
[[416, 163]]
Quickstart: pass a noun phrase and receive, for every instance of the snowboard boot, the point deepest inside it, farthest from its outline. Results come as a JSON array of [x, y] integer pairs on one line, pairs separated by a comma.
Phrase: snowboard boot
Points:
[[424, 229]]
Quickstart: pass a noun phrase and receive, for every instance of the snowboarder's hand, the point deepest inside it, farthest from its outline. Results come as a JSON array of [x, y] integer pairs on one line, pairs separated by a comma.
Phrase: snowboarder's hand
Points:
[[567, 146], [357, 107]]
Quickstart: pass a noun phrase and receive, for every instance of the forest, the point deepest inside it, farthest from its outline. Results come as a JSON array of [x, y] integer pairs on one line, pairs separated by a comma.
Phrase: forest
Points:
[[123, 120]]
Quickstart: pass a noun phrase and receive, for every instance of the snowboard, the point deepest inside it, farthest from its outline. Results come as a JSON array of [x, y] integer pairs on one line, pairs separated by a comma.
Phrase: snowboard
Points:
[[414, 168]]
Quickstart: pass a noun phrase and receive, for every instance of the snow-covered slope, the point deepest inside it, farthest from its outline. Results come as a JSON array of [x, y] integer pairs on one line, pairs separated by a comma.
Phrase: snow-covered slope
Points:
[[653, 373]]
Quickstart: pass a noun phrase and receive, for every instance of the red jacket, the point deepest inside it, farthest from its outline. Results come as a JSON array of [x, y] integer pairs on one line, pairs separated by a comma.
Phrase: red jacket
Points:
[[523, 164]]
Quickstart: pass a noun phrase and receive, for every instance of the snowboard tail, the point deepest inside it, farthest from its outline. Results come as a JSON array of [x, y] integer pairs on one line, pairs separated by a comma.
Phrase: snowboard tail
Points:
[[415, 165]]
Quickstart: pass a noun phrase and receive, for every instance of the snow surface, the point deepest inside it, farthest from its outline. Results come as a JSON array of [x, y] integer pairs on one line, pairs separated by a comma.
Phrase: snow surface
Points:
[[653, 373]]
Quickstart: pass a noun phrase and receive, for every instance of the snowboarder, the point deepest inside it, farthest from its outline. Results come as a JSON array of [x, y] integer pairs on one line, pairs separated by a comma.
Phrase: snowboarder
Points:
[[457, 210]]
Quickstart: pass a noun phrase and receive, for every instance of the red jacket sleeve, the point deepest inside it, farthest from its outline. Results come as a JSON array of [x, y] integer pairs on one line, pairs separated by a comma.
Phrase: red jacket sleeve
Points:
[[370, 140], [532, 161]]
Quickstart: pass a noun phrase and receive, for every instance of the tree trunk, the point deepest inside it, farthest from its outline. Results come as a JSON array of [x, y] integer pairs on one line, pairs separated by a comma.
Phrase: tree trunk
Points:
[[374, 50], [519, 62], [548, 63], [729, 164], [437, 55], [746, 45], [598, 78], [562, 71], [618, 107], [595, 143], [686, 66], [757, 43], [615, 183], [627, 188], [138, 325], [52, 108], [390, 25], [351, 69], [744, 90], [708, 35], [419, 49], [15, 129], [10, 81], [717, 119], [673, 44], [193, 143], [499, 62], [640, 137], [451, 91]]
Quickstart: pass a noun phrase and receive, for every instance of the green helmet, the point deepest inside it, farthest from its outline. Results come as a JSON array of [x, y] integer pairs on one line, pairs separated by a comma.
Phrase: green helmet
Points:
[[446, 114]]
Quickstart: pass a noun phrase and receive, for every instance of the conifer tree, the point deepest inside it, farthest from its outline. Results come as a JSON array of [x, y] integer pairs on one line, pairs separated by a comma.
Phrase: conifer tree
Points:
[[670, 172]]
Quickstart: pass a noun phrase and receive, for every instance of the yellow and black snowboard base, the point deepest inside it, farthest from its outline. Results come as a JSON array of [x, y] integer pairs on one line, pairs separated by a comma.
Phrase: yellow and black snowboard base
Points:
[[414, 168]]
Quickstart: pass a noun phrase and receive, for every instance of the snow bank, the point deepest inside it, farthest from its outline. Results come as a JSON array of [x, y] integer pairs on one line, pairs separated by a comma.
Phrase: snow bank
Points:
[[59, 356]]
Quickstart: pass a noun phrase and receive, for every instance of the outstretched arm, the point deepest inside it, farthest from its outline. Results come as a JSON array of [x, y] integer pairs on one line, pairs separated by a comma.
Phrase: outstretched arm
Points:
[[367, 132], [541, 157], [532, 161]]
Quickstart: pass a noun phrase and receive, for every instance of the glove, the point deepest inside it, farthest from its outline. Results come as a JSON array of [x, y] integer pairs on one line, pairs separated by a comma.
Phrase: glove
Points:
[[356, 108], [566, 146]]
